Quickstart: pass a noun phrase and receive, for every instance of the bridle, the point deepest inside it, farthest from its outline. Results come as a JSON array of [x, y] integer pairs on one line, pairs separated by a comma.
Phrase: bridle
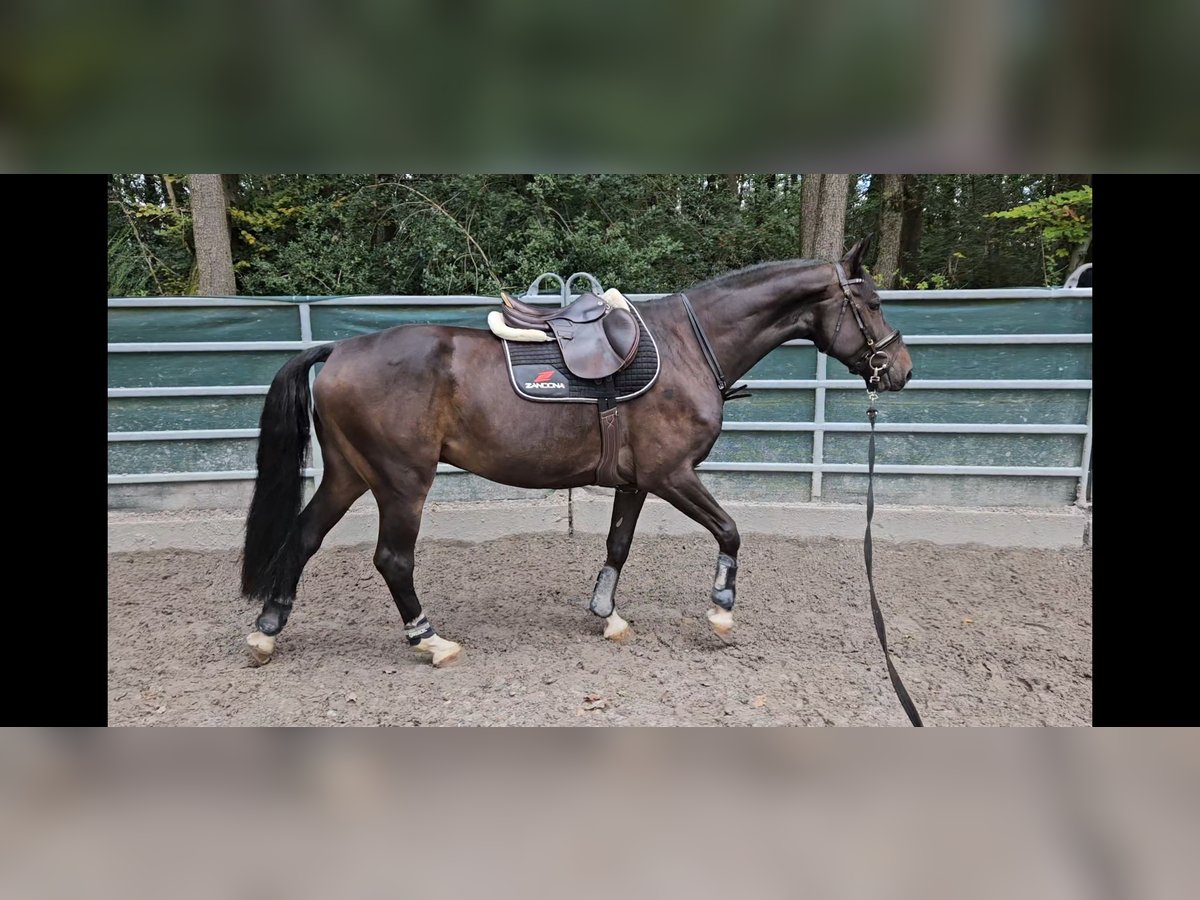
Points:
[[873, 356]]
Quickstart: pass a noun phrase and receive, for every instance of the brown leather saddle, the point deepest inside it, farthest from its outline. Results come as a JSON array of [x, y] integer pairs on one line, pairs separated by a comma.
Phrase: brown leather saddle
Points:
[[597, 339]]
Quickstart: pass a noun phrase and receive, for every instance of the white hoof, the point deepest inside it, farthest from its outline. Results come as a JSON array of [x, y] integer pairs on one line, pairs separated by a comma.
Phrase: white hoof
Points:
[[444, 652], [721, 621], [261, 646], [617, 629]]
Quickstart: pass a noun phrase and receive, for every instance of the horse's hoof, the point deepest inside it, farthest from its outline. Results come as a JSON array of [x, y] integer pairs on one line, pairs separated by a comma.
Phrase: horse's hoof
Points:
[[617, 629], [445, 658], [261, 647], [721, 621], [445, 653]]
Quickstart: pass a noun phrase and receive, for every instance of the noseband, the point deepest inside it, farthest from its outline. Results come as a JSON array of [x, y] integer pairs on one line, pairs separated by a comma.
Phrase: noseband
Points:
[[873, 355]]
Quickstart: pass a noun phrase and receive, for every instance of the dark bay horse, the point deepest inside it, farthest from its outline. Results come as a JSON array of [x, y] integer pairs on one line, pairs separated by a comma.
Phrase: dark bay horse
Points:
[[389, 406]]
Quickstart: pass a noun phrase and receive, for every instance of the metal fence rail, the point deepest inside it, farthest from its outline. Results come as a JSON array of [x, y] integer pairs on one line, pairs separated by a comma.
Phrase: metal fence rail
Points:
[[818, 427]]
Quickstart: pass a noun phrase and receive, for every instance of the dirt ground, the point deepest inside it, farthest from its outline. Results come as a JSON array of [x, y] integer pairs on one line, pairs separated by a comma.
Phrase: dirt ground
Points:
[[981, 636]]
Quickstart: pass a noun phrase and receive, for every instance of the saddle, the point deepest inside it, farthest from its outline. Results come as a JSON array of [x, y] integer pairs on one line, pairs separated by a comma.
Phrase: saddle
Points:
[[597, 338]]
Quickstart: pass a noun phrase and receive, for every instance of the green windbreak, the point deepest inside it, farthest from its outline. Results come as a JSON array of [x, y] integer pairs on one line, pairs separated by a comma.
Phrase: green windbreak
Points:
[[133, 375]]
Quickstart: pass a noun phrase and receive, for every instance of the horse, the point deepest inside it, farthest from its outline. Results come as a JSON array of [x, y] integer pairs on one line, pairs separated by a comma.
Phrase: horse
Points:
[[389, 406]]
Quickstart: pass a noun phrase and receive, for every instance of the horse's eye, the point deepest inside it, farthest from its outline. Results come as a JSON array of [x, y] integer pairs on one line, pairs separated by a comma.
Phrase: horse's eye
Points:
[[875, 306]]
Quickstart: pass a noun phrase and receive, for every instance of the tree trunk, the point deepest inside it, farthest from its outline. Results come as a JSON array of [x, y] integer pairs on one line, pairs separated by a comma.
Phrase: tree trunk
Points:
[[210, 225], [830, 237], [891, 217], [810, 201], [1078, 252], [170, 192], [912, 226]]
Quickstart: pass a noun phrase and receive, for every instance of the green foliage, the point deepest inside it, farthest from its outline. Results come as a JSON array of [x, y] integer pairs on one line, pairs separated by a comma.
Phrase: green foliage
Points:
[[1062, 216], [1062, 221], [128, 275], [149, 246], [469, 234]]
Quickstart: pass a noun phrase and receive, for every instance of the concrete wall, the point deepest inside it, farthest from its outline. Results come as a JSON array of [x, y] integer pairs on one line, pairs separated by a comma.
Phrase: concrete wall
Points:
[[588, 511]]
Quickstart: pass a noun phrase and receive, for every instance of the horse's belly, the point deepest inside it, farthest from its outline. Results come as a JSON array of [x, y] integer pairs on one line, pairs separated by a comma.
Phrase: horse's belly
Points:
[[528, 444]]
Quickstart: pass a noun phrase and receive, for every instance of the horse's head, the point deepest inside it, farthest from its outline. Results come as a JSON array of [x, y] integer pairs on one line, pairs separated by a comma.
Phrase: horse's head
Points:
[[851, 328]]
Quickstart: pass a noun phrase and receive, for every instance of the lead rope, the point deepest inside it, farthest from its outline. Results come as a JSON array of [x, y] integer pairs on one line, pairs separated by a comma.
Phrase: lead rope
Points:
[[906, 701]]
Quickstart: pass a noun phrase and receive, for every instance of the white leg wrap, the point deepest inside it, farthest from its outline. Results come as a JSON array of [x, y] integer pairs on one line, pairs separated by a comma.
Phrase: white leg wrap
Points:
[[616, 628], [444, 652], [721, 620]]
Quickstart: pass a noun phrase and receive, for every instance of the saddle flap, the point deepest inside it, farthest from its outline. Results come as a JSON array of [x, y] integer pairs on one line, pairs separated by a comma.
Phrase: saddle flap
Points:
[[622, 332]]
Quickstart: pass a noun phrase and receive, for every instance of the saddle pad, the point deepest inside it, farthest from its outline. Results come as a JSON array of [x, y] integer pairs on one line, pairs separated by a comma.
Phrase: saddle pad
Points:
[[537, 372]]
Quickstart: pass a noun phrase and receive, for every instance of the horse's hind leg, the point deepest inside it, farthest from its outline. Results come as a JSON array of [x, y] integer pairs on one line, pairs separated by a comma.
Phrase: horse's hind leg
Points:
[[687, 494], [626, 508], [340, 487], [399, 522]]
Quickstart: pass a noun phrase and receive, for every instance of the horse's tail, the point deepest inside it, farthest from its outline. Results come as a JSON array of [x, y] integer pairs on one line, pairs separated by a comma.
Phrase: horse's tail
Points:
[[271, 558]]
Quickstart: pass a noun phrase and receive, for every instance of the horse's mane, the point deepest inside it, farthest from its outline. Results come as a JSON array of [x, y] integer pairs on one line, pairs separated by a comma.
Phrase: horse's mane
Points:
[[751, 274]]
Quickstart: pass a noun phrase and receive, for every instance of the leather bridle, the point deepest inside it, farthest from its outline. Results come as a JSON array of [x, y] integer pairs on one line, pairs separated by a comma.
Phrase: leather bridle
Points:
[[873, 355]]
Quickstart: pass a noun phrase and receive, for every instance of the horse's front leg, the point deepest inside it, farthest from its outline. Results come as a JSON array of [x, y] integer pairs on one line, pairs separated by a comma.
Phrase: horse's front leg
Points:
[[626, 508], [687, 494]]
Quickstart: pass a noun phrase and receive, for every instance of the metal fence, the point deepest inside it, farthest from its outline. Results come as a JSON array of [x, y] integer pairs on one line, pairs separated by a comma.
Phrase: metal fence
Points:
[[794, 440]]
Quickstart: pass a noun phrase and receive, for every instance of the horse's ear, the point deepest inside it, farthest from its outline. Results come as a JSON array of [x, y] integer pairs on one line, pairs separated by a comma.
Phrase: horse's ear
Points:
[[852, 261]]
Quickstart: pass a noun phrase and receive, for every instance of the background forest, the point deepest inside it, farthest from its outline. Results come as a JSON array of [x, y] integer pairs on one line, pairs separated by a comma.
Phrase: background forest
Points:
[[176, 234]]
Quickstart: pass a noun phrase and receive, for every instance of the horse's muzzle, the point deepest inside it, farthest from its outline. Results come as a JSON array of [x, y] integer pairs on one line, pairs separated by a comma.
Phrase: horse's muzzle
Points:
[[899, 371]]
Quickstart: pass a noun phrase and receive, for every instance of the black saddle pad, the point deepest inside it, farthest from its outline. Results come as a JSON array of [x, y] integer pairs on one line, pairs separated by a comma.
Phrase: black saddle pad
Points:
[[537, 371]]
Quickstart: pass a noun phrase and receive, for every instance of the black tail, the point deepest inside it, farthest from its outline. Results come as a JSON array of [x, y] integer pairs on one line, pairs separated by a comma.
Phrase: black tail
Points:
[[271, 560]]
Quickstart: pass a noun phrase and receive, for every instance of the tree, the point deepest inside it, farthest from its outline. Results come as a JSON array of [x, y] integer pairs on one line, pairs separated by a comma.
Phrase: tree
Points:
[[830, 238], [823, 200], [459, 234], [891, 217], [912, 226], [810, 203], [210, 227], [1063, 224]]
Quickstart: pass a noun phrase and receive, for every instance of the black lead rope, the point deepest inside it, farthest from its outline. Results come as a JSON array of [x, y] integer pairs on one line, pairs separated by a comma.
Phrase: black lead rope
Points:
[[906, 701]]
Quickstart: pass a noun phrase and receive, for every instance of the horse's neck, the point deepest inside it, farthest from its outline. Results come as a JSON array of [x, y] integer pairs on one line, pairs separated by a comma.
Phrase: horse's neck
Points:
[[744, 324]]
